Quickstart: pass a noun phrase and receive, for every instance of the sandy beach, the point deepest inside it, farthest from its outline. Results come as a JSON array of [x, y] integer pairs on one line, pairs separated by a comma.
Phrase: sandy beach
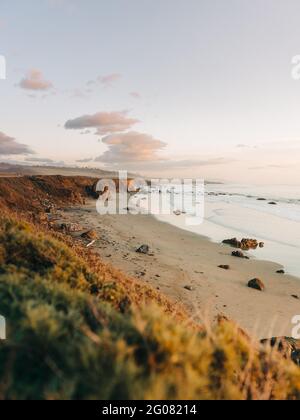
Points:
[[181, 260]]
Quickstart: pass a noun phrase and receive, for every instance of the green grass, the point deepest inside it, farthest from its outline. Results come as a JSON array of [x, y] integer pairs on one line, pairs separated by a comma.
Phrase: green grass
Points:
[[71, 335]]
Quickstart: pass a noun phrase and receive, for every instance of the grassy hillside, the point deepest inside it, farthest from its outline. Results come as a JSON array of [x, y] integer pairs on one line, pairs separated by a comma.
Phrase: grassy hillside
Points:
[[14, 170], [78, 330]]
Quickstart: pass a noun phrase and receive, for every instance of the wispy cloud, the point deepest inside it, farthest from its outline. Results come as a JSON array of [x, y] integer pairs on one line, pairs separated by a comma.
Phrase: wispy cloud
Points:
[[87, 160], [109, 79], [104, 122], [39, 160], [135, 95], [9, 146]]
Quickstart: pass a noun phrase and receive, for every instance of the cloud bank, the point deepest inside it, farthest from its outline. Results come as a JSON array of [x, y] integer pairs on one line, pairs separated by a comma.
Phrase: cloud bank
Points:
[[9, 146], [131, 147], [39, 160], [104, 122]]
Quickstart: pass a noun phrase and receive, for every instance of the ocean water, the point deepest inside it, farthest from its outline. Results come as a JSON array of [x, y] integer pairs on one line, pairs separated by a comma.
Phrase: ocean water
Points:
[[239, 211]]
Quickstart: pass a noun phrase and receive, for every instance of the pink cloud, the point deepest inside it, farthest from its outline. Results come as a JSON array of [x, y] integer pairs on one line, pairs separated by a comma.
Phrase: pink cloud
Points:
[[131, 147], [34, 80], [104, 122], [9, 146]]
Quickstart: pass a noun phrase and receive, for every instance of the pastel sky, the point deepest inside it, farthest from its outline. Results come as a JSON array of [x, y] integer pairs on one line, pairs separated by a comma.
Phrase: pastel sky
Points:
[[198, 88]]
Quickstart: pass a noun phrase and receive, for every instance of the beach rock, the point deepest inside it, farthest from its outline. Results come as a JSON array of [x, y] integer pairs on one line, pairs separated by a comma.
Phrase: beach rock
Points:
[[295, 297], [272, 203], [280, 272], [224, 267], [189, 288], [239, 254], [287, 346], [245, 244], [143, 249], [256, 284], [261, 244], [234, 242], [90, 235], [261, 199]]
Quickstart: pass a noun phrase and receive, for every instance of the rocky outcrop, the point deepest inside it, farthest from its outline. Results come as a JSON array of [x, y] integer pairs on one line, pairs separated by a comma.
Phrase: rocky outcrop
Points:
[[245, 244], [128, 185], [256, 284]]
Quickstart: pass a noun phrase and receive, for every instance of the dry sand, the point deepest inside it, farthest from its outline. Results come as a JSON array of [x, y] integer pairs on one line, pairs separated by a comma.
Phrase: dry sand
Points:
[[183, 259]]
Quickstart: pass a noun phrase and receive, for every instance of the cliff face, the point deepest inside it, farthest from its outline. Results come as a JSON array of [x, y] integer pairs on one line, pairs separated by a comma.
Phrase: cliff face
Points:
[[37, 193]]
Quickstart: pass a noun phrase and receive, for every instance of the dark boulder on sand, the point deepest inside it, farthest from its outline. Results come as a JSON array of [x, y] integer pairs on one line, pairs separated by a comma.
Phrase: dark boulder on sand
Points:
[[234, 242], [224, 266], [239, 254], [256, 284], [280, 272], [143, 249], [189, 288]]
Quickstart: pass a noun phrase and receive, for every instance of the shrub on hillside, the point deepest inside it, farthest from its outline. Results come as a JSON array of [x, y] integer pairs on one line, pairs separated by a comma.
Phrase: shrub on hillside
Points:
[[68, 338]]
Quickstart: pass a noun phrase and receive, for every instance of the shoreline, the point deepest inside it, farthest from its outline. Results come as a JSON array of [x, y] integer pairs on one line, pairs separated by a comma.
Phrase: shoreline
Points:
[[184, 266]]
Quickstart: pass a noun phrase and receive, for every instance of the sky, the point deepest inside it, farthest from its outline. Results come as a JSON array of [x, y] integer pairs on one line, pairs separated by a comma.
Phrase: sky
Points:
[[190, 88]]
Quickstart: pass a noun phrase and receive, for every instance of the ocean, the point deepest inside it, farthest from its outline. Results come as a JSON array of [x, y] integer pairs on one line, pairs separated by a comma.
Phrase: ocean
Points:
[[245, 211]]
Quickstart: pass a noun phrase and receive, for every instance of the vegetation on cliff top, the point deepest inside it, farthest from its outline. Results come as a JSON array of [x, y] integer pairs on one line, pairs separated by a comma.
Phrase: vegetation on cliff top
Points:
[[76, 332]]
